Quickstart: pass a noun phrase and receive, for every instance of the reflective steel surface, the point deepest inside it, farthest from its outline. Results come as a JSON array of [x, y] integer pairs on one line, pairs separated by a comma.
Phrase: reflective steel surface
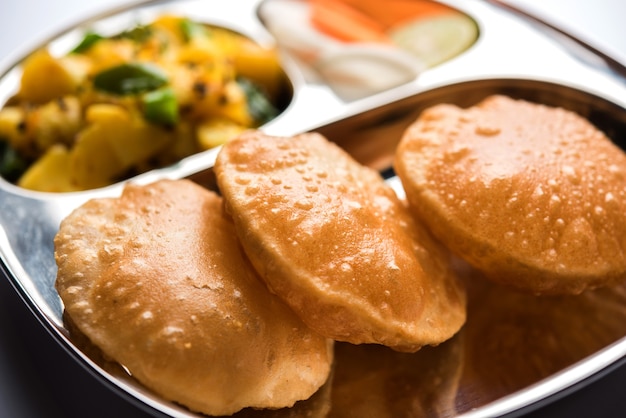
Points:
[[515, 350]]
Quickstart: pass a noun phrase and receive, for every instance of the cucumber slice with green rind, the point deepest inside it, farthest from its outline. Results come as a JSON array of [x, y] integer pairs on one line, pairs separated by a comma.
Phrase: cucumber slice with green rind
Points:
[[436, 39]]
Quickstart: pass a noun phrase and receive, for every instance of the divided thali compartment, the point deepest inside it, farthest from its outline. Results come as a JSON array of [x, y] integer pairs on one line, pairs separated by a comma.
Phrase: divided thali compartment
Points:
[[513, 344], [359, 49], [516, 351], [158, 70], [134, 91]]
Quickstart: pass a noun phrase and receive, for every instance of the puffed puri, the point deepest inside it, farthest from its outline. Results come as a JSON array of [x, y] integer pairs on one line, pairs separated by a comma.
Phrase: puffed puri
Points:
[[532, 195], [332, 239], [157, 280]]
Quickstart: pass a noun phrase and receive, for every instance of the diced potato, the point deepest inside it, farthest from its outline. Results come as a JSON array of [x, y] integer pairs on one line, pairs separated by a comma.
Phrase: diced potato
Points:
[[230, 103], [111, 133], [216, 132], [12, 126], [207, 58], [171, 25], [157, 48], [50, 173], [134, 140], [93, 161], [114, 141], [58, 122], [181, 81], [108, 53], [77, 66], [184, 144], [32, 130], [106, 112], [45, 78], [261, 65], [258, 63], [234, 105]]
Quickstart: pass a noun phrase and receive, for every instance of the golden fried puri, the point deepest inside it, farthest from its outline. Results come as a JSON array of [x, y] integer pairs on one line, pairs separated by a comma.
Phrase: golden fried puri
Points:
[[157, 280], [534, 196], [336, 244]]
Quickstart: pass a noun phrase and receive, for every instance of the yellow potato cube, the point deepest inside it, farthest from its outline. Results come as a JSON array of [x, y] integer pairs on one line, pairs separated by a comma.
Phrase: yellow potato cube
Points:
[[230, 103], [216, 132], [45, 78], [183, 145], [114, 141], [57, 122], [13, 127], [133, 138], [109, 53], [50, 173], [259, 64], [94, 162]]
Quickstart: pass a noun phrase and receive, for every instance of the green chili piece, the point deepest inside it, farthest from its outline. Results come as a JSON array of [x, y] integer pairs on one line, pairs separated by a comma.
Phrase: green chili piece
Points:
[[88, 41], [131, 78], [160, 106]]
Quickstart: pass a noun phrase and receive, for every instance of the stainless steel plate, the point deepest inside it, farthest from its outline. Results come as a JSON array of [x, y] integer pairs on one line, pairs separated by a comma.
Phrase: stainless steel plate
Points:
[[515, 351]]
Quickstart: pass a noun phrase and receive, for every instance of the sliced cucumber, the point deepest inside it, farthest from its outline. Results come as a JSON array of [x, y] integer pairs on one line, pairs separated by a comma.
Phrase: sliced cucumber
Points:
[[436, 39]]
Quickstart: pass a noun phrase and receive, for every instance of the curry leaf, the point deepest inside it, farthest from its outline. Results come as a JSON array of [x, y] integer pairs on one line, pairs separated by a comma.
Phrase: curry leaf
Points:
[[130, 78], [139, 34], [259, 106], [12, 166], [88, 41]]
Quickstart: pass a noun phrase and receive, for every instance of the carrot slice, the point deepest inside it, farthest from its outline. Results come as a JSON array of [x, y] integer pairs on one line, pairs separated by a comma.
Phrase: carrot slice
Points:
[[341, 21], [392, 12]]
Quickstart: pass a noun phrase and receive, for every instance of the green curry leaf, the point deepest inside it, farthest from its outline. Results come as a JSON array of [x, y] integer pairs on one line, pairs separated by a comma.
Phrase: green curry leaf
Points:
[[12, 166], [259, 106], [88, 41], [130, 78], [139, 34]]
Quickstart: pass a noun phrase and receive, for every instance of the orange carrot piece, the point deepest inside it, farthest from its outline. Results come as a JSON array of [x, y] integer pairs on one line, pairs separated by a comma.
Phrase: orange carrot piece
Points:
[[341, 21], [392, 12]]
